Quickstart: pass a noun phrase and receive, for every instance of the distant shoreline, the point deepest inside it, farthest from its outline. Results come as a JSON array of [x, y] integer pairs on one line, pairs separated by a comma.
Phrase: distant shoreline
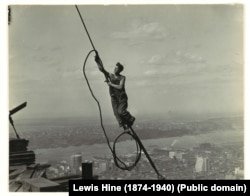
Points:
[[89, 151]]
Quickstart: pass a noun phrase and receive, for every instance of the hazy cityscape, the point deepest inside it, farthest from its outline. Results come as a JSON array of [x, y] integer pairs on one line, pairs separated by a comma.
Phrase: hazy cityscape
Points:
[[205, 161], [208, 159]]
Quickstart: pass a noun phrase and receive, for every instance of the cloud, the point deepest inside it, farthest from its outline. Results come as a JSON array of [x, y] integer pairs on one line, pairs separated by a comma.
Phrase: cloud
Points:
[[187, 68], [155, 59], [175, 57], [187, 57], [150, 72], [173, 64], [140, 31]]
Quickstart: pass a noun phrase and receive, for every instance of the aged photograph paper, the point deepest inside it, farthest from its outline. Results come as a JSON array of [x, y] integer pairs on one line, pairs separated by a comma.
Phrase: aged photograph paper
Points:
[[124, 92]]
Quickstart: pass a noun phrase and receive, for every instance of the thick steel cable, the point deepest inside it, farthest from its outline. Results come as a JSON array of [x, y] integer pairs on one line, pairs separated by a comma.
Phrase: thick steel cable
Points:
[[117, 161], [85, 27], [133, 135]]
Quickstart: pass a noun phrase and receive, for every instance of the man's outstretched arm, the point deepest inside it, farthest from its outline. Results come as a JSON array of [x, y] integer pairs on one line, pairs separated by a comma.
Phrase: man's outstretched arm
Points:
[[100, 66]]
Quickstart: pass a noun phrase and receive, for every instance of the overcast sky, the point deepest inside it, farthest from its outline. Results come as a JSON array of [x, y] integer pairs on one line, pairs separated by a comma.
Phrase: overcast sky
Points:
[[178, 58]]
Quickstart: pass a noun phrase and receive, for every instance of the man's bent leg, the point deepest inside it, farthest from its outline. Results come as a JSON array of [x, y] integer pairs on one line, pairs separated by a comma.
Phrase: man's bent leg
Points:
[[115, 110], [126, 117]]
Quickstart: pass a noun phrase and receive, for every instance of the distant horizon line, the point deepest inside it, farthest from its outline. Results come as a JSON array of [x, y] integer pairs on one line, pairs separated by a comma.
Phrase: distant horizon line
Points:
[[160, 116]]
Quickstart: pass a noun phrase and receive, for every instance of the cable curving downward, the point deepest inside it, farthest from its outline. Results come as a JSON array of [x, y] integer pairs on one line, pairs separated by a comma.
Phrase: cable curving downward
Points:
[[118, 162], [139, 145]]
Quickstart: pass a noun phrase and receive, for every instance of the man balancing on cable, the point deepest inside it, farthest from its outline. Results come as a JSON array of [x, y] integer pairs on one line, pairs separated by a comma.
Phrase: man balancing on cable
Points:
[[119, 98]]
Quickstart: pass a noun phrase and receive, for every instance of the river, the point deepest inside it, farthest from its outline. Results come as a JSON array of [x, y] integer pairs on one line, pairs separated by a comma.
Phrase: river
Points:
[[218, 138]]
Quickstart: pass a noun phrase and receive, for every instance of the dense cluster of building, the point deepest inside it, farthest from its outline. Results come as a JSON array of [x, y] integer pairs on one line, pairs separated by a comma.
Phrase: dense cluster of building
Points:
[[205, 161]]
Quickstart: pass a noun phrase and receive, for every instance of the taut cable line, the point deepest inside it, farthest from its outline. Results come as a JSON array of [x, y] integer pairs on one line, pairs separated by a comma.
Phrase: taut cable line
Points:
[[132, 133], [85, 27]]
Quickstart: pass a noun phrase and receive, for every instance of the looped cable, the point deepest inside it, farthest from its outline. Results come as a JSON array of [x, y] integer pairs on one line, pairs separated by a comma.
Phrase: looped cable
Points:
[[138, 154], [132, 133], [118, 162]]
